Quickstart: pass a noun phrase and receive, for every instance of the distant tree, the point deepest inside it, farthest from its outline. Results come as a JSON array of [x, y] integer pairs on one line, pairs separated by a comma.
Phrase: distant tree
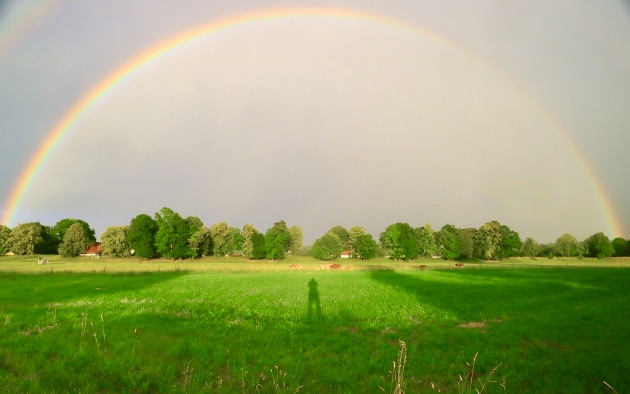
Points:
[[114, 241], [199, 242], [447, 242], [342, 234], [141, 236], [5, 235], [221, 235], [353, 233], [365, 247], [48, 244], [466, 239], [425, 237], [194, 223], [259, 251], [24, 237], [59, 230], [488, 240], [621, 247], [399, 239], [598, 245], [567, 245], [530, 247], [510, 244], [328, 247], [237, 240], [171, 237], [248, 242], [297, 238], [74, 241], [277, 241], [546, 250]]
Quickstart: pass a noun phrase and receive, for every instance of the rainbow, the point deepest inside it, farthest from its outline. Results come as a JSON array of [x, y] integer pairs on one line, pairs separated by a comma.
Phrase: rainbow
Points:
[[26, 17], [163, 48]]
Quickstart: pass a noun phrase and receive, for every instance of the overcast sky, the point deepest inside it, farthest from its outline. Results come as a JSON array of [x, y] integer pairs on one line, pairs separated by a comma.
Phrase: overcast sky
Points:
[[452, 112]]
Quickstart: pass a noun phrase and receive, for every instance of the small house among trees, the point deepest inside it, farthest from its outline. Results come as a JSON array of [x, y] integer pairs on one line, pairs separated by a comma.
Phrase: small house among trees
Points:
[[93, 251]]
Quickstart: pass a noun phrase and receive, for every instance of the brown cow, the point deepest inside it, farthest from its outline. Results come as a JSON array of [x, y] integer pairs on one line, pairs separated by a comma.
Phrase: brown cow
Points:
[[334, 266]]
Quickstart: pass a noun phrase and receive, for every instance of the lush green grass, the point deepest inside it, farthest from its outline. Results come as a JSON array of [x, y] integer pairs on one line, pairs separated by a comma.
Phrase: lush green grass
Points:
[[547, 330]]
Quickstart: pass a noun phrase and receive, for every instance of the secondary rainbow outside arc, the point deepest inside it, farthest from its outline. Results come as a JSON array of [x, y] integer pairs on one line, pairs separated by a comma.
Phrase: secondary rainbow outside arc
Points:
[[29, 16], [128, 69]]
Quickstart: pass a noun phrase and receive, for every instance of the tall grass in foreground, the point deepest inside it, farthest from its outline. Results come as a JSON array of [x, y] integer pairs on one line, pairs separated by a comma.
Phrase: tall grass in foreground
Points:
[[552, 330]]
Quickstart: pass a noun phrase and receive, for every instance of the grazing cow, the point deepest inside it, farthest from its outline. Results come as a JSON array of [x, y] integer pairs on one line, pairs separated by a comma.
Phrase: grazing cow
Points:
[[295, 266], [420, 267], [335, 266], [459, 265]]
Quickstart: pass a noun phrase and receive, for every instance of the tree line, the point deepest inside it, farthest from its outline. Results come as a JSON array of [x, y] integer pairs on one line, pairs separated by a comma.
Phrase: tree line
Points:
[[168, 234]]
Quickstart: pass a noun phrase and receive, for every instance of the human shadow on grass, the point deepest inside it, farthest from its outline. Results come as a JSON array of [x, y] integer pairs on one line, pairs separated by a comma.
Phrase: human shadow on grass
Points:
[[314, 311], [18, 290]]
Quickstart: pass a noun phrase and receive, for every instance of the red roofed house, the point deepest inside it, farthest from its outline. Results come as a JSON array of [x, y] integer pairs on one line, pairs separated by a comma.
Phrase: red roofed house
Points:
[[93, 251]]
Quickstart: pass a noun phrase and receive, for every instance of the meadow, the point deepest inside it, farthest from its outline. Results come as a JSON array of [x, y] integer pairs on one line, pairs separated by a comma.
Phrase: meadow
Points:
[[229, 325]]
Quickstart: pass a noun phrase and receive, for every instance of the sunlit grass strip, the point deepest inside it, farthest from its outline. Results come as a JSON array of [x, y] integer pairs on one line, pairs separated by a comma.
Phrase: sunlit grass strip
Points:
[[28, 264]]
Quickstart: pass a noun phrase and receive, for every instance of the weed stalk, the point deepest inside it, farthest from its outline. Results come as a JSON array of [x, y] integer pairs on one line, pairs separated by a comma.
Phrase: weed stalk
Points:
[[398, 371]]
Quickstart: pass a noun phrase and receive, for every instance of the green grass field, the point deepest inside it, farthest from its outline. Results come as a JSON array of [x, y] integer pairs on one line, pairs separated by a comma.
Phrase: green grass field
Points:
[[227, 325]]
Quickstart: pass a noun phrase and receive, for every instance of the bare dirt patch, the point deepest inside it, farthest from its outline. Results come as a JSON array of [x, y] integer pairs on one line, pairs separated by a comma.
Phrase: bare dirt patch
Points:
[[479, 324], [474, 324]]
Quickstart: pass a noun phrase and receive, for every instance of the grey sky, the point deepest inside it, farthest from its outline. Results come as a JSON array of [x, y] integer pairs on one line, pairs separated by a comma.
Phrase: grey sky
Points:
[[324, 121]]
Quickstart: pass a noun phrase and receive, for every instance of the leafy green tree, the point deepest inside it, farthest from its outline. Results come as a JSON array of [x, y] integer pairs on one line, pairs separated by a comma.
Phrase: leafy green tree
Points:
[[48, 244], [599, 245], [259, 252], [59, 230], [114, 241], [277, 241], [530, 247], [342, 234], [567, 245], [248, 243], [253, 243], [141, 236], [199, 242], [353, 233], [621, 247], [237, 240], [547, 250], [488, 240], [511, 244], [399, 239], [74, 241], [328, 247], [5, 235], [222, 244], [425, 238], [171, 237], [24, 237], [447, 242], [297, 238], [194, 223], [466, 239], [365, 247]]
